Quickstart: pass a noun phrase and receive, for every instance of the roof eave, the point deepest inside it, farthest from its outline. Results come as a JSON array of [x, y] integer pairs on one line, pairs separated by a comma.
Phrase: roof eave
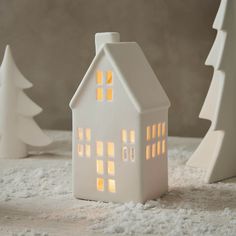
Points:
[[74, 99]]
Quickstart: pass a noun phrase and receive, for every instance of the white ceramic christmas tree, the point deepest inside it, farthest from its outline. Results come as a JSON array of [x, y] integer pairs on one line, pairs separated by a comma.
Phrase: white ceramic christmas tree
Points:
[[17, 126], [216, 153]]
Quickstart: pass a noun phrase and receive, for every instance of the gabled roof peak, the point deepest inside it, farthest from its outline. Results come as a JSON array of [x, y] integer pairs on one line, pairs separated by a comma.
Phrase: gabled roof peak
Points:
[[134, 73]]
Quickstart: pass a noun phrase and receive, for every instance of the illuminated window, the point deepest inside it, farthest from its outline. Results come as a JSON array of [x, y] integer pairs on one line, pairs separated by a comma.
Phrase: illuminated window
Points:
[[80, 150], [100, 168], [158, 148], [125, 153], [154, 131], [163, 146], [100, 184], [88, 134], [87, 150], [99, 77], [111, 185], [110, 149], [132, 154], [124, 136], [132, 136], [80, 134], [128, 138], [148, 152], [148, 133], [109, 94], [153, 150], [159, 130], [163, 129], [99, 94], [99, 148], [104, 90], [109, 77], [111, 167]]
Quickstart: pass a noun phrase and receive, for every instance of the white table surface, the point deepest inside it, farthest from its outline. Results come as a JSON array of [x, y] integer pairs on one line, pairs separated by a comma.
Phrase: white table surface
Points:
[[35, 199]]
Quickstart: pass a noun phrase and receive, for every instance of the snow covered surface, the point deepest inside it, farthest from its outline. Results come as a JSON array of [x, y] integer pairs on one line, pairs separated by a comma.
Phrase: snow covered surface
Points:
[[36, 199]]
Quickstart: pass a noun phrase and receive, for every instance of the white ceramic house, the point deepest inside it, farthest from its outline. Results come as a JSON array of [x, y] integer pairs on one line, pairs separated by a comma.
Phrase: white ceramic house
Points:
[[120, 123]]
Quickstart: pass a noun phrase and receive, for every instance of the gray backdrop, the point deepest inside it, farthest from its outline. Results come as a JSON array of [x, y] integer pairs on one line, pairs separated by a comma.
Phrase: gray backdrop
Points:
[[53, 45]]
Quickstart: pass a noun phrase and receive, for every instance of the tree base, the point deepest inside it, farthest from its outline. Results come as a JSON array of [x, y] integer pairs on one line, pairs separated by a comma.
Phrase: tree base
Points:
[[216, 156]]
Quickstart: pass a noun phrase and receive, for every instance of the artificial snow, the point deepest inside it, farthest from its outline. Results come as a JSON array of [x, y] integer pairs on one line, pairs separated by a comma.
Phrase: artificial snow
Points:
[[36, 199]]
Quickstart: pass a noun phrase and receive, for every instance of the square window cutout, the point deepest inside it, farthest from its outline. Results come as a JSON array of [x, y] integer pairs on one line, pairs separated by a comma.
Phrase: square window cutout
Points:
[[111, 185], [100, 184], [99, 77], [99, 94], [109, 77], [109, 94]]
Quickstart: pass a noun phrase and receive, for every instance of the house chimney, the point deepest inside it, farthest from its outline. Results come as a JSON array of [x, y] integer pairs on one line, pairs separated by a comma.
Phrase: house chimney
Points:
[[107, 37]]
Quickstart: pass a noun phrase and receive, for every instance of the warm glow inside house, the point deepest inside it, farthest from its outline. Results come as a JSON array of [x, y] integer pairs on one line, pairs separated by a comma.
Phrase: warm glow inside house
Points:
[[120, 126]]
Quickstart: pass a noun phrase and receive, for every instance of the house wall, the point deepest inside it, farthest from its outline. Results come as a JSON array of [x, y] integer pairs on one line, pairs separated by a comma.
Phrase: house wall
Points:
[[106, 120], [155, 170]]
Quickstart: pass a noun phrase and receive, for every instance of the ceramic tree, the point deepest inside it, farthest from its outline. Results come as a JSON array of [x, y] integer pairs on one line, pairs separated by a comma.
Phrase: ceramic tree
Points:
[[17, 126], [216, 153], [120, 123]]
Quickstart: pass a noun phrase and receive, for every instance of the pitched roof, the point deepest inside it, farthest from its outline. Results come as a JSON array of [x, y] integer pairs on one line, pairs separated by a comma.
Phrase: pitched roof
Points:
[[135, 74]]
